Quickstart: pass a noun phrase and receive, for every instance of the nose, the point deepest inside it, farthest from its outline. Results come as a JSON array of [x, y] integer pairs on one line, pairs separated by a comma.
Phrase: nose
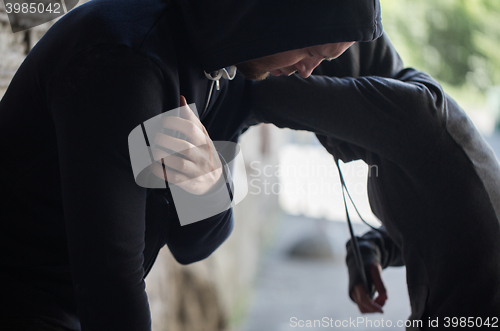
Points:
[[306, 66]]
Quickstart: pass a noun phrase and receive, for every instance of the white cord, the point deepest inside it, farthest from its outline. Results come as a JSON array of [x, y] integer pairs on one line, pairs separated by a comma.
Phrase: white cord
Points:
[[215, 76]]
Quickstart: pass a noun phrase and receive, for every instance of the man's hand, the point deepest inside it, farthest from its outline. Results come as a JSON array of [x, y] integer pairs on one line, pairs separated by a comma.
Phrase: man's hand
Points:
[[362, 299], [193, 165]]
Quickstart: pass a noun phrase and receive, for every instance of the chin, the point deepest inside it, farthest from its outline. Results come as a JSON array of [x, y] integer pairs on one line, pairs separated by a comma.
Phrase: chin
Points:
[[250, 71], [255, 76]]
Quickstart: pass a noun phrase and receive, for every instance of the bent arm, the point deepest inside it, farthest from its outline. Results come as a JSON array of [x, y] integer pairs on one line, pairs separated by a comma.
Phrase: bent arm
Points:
[[95, 101], [394, 118], [365, 99]]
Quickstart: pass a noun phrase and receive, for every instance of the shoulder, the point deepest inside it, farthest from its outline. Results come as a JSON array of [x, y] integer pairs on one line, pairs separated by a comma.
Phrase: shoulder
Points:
[[113, 80], [95, 24]]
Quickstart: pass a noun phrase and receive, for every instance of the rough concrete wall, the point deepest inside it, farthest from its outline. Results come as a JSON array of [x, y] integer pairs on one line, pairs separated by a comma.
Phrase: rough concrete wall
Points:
[[12, 50], [209, 295], [15, 46]]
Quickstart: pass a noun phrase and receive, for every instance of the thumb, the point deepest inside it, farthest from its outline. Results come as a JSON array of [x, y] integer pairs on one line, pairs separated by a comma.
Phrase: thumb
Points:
[[183, 101], [187, 113], [184, 110]]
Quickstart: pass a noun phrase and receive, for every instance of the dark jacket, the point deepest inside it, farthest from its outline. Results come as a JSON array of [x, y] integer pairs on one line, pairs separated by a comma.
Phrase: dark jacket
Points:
[[77, 234], [437, 184]]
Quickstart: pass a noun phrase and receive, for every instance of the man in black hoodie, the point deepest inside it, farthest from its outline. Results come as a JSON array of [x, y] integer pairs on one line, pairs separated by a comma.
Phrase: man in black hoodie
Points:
[[77, 234], [437, 188]]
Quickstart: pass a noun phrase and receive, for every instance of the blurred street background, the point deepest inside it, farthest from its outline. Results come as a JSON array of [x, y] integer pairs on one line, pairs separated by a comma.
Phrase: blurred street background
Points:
[[285, 258]]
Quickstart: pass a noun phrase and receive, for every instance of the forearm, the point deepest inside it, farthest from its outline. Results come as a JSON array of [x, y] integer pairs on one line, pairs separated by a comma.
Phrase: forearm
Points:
[[377, 247], [195, 241], [393, 118]]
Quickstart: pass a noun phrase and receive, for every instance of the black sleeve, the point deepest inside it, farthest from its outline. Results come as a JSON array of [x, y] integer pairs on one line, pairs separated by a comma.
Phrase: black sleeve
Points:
[[375, 247], [95, 101], [391, 117], [196, 241], [364, 98]]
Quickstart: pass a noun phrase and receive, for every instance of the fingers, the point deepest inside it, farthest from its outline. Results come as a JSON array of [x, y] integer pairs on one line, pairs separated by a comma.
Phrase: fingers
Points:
[[188, 114], [167, 174], [364, 302], [199, 185], [194, 134], [376, 273], [199, 149], [179, 164], [188, 124], [180, 146], [194, 164], [200, 155]]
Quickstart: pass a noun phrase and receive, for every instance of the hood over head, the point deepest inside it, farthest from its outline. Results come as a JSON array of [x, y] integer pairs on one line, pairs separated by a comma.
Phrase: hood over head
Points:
[[228, 32]]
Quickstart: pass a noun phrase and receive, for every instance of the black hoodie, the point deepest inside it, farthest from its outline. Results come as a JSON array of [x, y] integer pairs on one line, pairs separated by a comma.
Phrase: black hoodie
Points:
[[436, 187], [77, 234]]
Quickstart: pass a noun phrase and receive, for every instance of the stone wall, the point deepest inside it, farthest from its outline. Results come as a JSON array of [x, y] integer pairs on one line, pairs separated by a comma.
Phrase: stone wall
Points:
[[15, 46], [210, 295]]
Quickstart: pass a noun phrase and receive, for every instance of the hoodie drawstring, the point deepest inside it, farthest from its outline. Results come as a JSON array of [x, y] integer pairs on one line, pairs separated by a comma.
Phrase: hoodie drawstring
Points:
[[215, 76]]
